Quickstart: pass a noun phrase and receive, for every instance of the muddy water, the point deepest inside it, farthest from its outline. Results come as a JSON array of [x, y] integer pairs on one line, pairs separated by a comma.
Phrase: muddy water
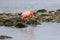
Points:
[[46, 31]]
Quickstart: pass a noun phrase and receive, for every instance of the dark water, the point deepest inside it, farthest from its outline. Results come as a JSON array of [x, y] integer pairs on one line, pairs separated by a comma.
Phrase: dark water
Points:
[[46, 31], [22, 5]]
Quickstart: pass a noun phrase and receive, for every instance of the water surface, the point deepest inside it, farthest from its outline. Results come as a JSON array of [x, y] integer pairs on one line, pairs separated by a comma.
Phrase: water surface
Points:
[[46, 31], [22, 5]]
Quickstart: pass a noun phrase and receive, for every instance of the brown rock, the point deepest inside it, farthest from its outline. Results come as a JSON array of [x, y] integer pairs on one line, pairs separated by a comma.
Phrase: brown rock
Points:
[[5, 37]]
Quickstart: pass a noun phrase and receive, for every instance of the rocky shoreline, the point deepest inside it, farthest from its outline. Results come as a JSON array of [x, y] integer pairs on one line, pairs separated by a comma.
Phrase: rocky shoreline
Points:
[[40, 16]]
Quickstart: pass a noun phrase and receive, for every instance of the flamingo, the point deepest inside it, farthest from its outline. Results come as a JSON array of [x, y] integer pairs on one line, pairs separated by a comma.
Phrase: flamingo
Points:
[[27, 14]]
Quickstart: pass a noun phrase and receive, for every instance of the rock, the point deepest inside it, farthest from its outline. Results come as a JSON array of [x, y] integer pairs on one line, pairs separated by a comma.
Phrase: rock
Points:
[[14, 19], [1, 24], [57, 19], [5, 37], [21, 25], [58, 10], [8, 22], [33, 22], [45, 14], [57, 13], [19, 14], [47, 18], [42, 10], [51, 11]]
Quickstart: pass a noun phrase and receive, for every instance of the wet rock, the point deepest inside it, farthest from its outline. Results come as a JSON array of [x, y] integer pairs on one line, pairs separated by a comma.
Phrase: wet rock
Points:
[[51, 11], [15, 15], [48, 20], [57, 19], [5, 37], [14, 19], [3, 16], [19, 14], [57, 13], [1, 23], [42, 10], [8, 22], [58, 10], [33, 22], [21, 25], [45, 14]]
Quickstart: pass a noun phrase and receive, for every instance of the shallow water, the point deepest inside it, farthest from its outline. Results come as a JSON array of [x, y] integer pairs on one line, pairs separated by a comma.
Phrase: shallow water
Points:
[[46, 31], [22, 5]]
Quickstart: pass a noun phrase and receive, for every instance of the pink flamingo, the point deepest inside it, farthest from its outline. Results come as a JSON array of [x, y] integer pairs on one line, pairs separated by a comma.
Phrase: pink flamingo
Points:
[[27, 14]]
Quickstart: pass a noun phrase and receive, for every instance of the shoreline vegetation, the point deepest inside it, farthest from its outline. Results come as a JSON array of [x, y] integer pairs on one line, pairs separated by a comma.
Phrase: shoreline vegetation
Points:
[[40, 16]]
